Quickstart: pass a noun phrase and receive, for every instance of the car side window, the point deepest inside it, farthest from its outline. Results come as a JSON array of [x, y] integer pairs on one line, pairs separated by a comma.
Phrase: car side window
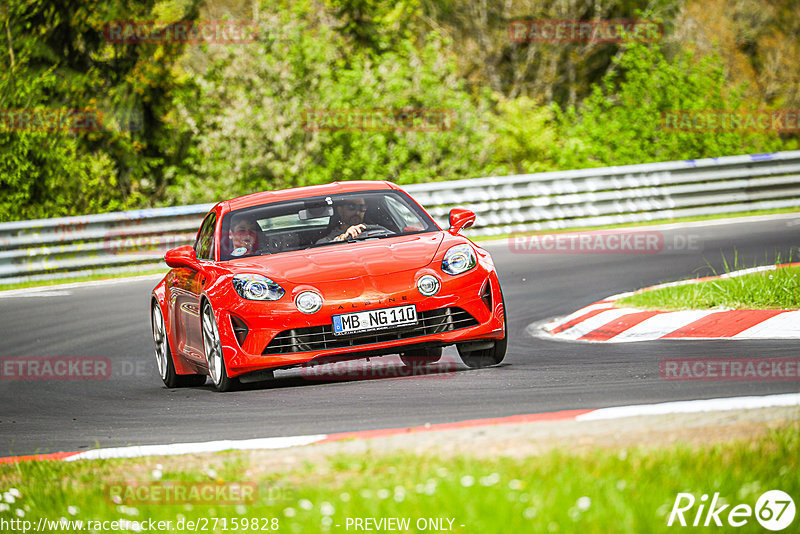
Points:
[[407, 217], [204, 246]]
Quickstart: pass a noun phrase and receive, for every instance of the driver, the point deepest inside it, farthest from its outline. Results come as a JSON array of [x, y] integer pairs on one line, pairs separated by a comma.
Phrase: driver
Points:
[[348, 220], [244, 237]]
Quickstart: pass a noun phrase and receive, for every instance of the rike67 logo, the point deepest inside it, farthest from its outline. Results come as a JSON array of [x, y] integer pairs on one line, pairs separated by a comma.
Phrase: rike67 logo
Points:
[[774, 510]]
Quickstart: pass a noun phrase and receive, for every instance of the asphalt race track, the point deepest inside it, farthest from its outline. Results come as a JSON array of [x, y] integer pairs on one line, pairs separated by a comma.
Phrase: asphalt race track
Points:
[[132, 407]]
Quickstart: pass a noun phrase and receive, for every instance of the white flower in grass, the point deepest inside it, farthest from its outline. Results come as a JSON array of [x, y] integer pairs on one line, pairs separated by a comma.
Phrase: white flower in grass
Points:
[[289, 512], [529, 513], [156, 474], [241, 509], [326, 508], [15, 492], [4, 507], [7, 497], [305, 504], [467, 481], [20, 512], [127, 510], [583, 503], [490, 480], [515, 484], [365, 493], [326, 522], [344, 497], [384, 493], [135, 526], [442, 472], [621, 485], [72, 510], [211, 473]]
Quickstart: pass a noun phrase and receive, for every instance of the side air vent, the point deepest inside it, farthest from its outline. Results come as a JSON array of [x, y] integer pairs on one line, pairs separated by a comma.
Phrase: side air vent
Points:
[[240, 329]]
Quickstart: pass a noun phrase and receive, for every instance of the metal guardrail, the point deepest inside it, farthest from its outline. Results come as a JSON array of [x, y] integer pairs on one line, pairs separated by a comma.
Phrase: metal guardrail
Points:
[[134, 241]]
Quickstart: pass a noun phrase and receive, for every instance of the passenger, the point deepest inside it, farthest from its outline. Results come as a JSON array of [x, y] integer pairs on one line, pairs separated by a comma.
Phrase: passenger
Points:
[[244, 235]]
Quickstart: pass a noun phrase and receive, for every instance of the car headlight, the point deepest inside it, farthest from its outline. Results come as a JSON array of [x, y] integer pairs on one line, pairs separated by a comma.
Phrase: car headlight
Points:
[[459, 259], [308, 302], [428, 285], [256, 287]]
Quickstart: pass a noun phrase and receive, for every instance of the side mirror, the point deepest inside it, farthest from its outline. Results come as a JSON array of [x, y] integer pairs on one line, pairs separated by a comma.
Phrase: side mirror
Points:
[[181, 257], [460, 219]]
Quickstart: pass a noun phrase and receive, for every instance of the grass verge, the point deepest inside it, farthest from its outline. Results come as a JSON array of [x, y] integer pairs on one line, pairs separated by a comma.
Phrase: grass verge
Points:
[[89, 278], [602, 490], [776, 289]]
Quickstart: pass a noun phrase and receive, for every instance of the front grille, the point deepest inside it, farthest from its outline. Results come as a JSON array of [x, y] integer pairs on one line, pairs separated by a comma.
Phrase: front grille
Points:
[[317, 338]]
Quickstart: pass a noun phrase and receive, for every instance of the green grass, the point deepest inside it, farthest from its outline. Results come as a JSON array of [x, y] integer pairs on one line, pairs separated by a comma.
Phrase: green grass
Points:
[[778, 289], [89, 278], [602, 491]]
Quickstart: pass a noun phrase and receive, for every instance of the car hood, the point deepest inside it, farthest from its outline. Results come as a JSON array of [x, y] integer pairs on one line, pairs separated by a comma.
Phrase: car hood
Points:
[[346, 260]]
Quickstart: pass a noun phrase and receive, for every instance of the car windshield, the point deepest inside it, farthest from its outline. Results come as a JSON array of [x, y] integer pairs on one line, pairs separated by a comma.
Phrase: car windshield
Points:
[[320, 221]]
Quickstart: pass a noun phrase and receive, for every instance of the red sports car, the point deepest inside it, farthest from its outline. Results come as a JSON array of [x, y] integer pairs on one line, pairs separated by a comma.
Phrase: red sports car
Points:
[[316, 274]]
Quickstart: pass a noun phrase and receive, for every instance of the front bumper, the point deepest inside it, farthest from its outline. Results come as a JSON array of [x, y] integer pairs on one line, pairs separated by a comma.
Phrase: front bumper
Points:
[[467, 307]]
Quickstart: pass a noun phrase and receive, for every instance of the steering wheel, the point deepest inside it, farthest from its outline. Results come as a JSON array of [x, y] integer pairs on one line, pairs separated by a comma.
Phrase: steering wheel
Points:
[[374, 230]]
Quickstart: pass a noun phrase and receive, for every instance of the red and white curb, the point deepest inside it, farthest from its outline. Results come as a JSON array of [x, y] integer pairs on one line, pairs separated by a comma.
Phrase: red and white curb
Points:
[[603, 321], [617, 412]]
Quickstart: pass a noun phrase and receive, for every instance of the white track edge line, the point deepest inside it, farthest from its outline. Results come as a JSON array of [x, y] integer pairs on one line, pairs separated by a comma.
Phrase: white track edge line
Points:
[[195, 448], [695, 406], [617, 412]]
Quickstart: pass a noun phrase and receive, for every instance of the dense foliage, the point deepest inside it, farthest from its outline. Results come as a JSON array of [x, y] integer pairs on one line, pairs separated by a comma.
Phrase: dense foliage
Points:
[[187, 122]]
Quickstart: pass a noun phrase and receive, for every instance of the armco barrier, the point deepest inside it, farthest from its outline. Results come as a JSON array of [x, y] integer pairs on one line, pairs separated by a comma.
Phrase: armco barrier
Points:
[[136, 240]]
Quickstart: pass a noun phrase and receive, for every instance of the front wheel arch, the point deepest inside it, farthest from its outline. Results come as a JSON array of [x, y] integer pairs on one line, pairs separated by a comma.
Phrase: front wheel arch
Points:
[[217, 367]]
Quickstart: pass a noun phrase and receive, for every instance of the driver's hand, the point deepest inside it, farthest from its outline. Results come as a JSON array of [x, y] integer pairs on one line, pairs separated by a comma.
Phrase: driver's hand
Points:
[[351, 232]]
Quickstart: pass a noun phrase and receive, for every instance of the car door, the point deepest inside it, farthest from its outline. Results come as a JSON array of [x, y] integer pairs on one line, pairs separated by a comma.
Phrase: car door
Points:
[[187, 286]]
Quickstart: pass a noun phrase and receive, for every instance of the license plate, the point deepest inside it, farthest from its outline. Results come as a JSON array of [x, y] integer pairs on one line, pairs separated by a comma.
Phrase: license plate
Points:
[[371, 320]]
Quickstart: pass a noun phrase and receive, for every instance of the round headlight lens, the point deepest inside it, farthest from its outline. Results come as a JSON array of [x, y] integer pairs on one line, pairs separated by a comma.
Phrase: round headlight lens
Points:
[[428, 285], [308, 302], [256, 287], [459, 259]]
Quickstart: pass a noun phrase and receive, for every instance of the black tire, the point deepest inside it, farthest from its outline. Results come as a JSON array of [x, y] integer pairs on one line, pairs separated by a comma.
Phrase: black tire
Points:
[[164, 358], [477, 359], [417, 357], [212, 347]]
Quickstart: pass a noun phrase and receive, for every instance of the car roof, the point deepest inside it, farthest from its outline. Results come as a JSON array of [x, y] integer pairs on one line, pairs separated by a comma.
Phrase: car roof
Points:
[[266, 197]]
